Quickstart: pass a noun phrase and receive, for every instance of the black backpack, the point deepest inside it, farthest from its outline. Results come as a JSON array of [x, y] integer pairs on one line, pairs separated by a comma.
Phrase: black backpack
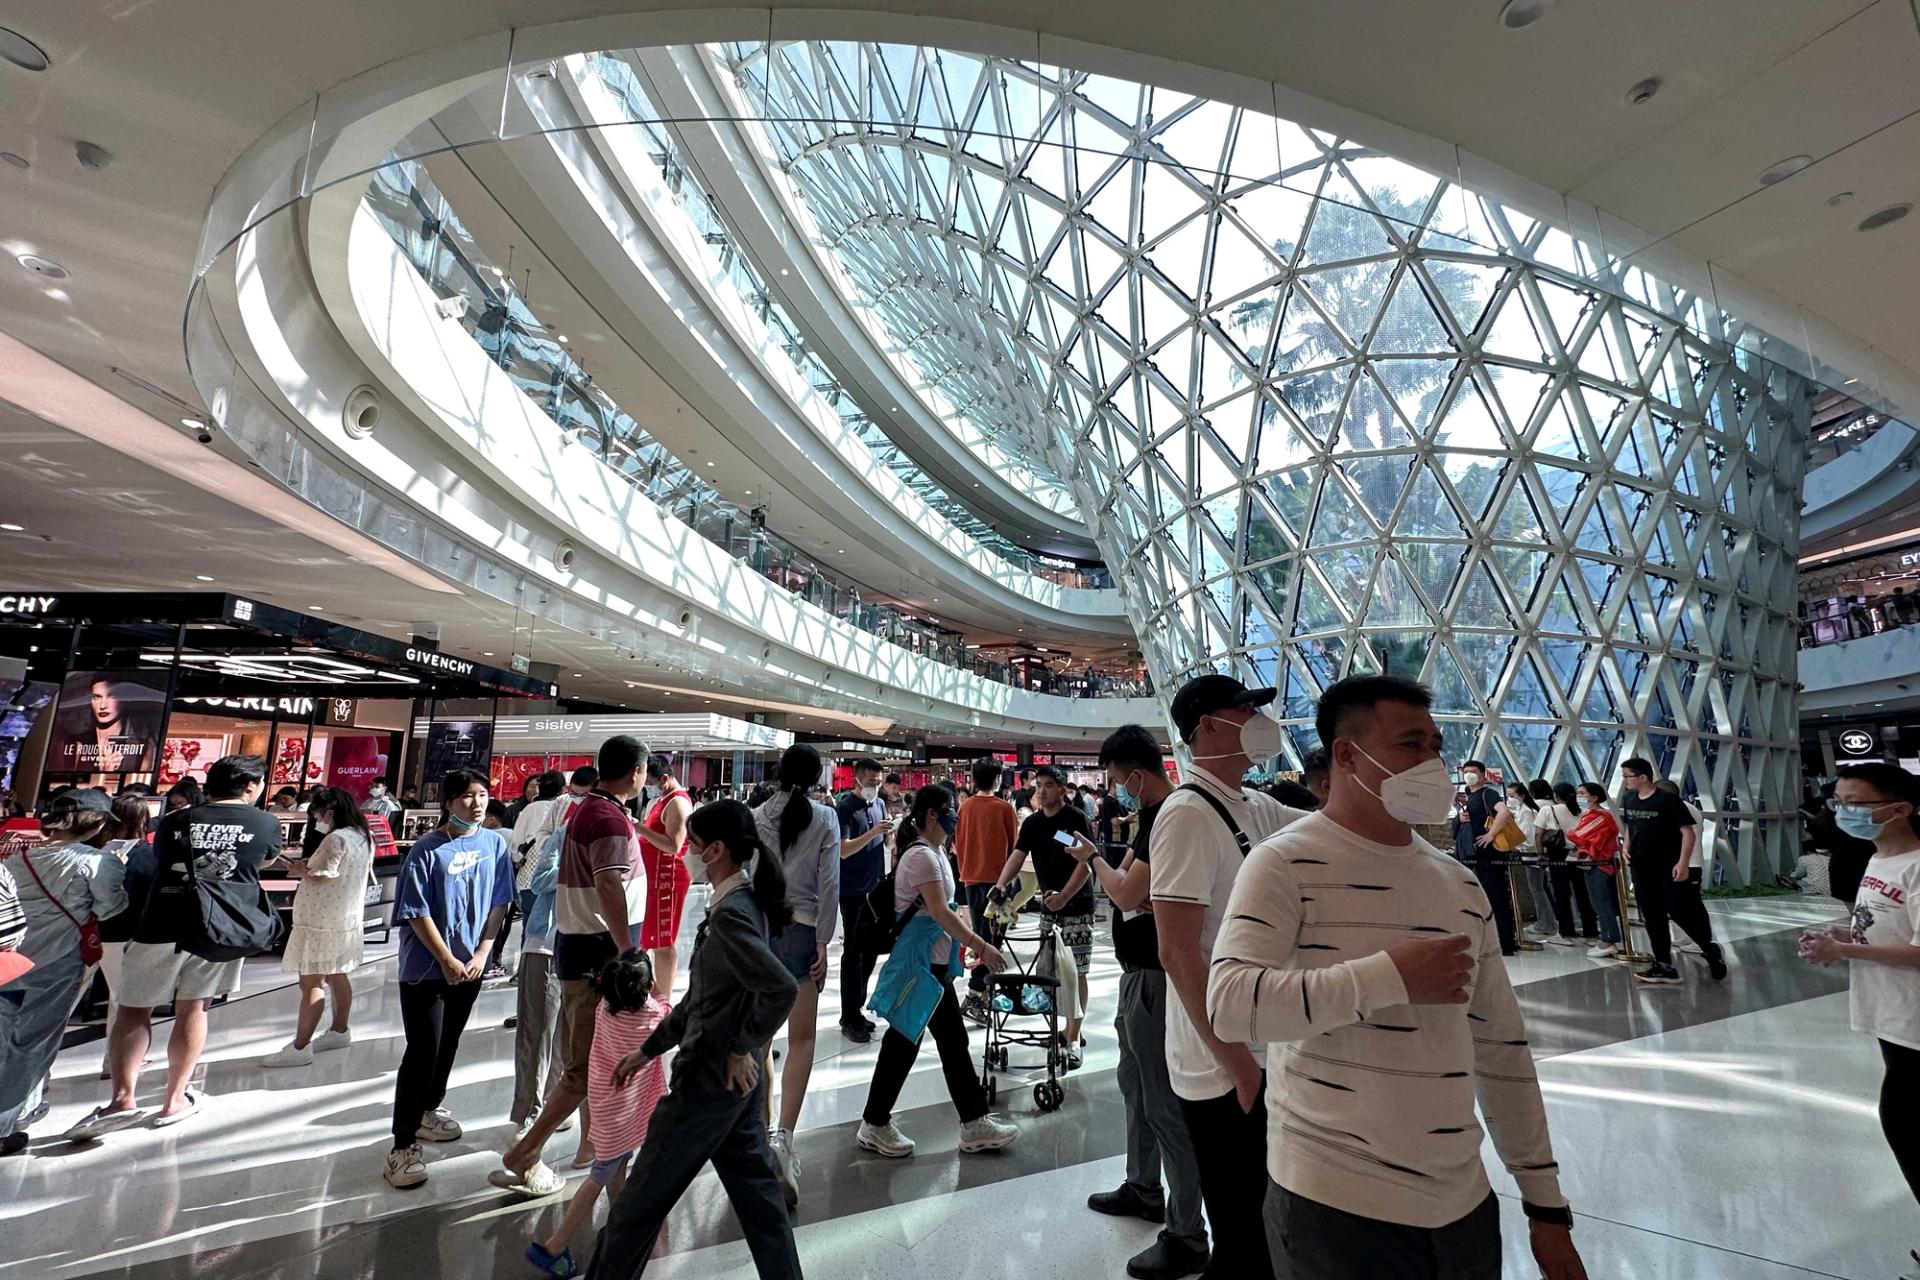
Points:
[[877, 925]]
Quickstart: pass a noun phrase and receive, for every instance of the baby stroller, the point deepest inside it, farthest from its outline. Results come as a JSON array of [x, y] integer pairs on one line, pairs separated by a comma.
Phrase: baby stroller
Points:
[[1029, 989]]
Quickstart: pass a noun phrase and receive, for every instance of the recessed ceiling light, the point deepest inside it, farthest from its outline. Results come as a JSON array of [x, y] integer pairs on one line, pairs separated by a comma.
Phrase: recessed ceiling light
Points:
[[1643, 92], [203, 577], [563, 337], [193, 424], [1838, 198], [1523, 13], [22, 52], [14, 528], [709, 464], [15, 159], [784, 271], [316, 608], [1885, 217], [486, 653], [576, 675], [1781, 170], [42, 266]]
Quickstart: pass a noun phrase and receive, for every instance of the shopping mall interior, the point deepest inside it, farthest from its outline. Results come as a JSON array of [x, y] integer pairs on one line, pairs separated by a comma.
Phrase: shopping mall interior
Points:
[[1056, 448]]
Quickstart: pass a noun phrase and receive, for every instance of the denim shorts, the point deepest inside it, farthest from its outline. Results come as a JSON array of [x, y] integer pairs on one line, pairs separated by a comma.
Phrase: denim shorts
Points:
[[796, 948]]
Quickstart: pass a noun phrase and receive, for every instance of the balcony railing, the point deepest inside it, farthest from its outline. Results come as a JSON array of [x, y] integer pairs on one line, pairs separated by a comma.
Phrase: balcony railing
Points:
[[403, 199]]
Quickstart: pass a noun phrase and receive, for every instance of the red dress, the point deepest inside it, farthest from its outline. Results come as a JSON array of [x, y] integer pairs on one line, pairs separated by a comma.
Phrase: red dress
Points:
[[667, 879]]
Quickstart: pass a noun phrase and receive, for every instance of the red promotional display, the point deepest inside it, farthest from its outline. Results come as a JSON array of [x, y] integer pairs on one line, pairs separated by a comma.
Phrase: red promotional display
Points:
[[355, 764]]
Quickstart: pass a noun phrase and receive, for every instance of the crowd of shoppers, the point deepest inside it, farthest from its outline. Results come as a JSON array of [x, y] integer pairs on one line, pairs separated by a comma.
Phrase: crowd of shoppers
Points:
[[1300, 1050]]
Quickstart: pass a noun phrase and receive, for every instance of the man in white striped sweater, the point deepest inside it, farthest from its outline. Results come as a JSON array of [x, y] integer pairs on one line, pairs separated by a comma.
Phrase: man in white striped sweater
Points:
[[1368, 963]]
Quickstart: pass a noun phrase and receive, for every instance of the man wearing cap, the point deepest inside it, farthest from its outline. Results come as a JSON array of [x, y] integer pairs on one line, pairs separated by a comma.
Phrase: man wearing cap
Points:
[[1199, 840]]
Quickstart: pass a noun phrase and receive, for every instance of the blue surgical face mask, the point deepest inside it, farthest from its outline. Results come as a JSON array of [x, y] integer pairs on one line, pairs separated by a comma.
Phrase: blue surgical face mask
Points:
[[461, 826], [1857, 821], [1586, 802], [1127, 799], [950, 821]]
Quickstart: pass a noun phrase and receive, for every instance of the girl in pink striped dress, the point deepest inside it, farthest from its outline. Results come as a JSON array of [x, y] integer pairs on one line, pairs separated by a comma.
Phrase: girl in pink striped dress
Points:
[[627, 1015]]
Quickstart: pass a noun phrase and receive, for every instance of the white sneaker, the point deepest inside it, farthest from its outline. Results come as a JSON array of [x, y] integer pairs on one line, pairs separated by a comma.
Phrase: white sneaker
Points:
[[1559, 941], [1603, 951], [885, 1139], [328, 1041], [438, 1125], [405, 1168], [290, 1056], [786, 1165], [988, 1133]]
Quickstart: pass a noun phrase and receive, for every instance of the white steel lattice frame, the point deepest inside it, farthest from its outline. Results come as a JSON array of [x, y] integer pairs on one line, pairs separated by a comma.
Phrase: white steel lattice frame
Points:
[[1331, 413]]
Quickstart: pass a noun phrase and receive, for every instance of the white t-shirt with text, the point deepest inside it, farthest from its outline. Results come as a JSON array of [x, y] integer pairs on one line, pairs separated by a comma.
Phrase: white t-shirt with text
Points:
[[1885, 999]]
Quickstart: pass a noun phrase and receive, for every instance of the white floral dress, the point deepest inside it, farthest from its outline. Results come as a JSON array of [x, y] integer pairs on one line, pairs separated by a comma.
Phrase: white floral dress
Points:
[[327, 908]]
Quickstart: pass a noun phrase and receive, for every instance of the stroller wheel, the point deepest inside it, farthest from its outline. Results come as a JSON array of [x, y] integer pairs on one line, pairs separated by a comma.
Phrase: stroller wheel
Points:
[[993, 1089], [1047, 1095]]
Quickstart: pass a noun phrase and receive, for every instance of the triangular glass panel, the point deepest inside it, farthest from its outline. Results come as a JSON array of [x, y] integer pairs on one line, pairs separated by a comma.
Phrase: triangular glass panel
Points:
[[1483, 657], [1415, 386], [1306, 338], [1292, 495], [1519, 392], [1316, 610], [1428, 512], [1401, 653], [1369, 421], [1563, 658], [1350, 296], [1474, 478], [1248, 323], [1518, 521], [1527, 696], [1337, 517], [1465, 288], [1513, 332], [1347, 572], [1468, 423], [1378, 482], [1266, 537], [1315, 399], [1561, 615], [1343, 228], [1481, 605], [1407, 324], [1434, 566], [1451, 690], [1393, 603], [1559, 434], [1322, 658]]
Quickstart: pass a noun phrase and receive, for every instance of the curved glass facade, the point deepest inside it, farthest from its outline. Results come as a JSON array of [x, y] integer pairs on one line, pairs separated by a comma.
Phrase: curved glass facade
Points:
[[1334, 413]]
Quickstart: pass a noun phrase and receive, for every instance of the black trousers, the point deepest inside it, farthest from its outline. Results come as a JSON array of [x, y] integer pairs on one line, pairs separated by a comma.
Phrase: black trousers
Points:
[[433, 1013], [1493, 879], [949, 1032], [1900, 1109], [856, 965], [695, 1123], [1661, 900], [1231, 1146], [1568, 889], [1313, 1241], [975, 896]]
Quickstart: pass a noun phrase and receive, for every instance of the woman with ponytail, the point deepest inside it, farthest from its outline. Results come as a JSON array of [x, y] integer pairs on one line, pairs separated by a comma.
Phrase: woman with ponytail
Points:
[[806, 836], [738, 994], [930, 936]]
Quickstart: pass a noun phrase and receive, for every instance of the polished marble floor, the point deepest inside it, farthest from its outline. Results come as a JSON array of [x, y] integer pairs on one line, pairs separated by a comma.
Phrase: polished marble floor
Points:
[[1708, 1132]]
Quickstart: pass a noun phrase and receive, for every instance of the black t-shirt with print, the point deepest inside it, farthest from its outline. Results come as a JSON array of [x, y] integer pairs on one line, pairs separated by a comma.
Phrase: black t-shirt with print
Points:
[[1653, 827], [224, 841], [1136, 939], [1052, 862]]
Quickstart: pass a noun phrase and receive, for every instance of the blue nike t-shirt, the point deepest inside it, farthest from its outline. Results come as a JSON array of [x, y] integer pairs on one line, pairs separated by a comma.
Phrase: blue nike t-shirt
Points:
[[456, 881]]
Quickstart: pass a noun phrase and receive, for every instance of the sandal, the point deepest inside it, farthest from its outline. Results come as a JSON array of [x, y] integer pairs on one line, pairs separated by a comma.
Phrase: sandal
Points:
[[161, 1120], [554, 1264], [537, 1182]]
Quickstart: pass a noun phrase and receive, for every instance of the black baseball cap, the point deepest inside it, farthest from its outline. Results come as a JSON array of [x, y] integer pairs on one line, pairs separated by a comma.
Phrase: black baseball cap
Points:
[[1204, 695]]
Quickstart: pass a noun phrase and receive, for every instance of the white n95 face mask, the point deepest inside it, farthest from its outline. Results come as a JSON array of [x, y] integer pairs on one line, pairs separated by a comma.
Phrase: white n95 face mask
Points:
[[1420, 796], [1259, 738]]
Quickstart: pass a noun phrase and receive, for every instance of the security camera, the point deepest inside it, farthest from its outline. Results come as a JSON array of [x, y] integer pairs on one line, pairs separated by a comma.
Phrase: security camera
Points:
[[204, 436], [453, 308]]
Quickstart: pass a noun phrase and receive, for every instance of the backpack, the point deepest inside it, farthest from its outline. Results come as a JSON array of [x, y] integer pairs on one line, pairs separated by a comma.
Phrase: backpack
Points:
[[876, 923]]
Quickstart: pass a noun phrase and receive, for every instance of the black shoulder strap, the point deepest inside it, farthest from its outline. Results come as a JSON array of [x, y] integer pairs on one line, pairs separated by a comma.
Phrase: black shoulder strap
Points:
[[1239, 836]]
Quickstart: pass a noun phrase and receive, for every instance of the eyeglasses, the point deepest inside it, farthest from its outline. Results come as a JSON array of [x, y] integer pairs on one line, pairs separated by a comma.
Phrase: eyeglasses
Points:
[[1836, 805]]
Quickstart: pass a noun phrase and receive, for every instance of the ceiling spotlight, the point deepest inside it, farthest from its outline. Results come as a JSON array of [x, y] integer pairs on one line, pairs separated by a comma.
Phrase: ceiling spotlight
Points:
[[193, 424], [1885, 217], [316, 608], [14, 528], [1781, 170], [42, 266], [1516, 14], [563, 337], [576, 675], [1643, 92], [709, 464], [22, 52], [748, 492], [486, 653], [203, 577], [785, 272]]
